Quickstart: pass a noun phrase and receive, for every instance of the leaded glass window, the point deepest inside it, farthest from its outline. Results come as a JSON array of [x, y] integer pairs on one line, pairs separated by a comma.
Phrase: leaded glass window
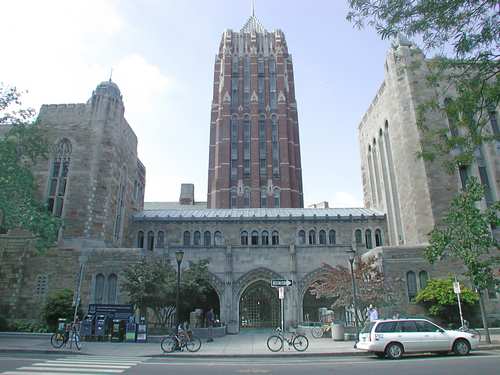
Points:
[[160, 240], [332, 237], [312, 237], [186, 239], [276, 237], [322, 237], [275, 147], [411, 284], [99, 288], [368, 239], [197, 238], [59, 177], [265, 237], [302, 237], [151, 240], [112, 279], [207, 239]]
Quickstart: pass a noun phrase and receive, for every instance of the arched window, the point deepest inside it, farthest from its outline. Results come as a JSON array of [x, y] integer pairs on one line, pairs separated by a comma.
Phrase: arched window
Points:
[[255, 237], [207, 239], [276, 237], [312, 237], [112, 288], [358, 236], [140, 239], [218, 239], [378, 237], [265, 238], [244, 238], [151, 240], [197, 238], [263, 198], [277, 198], [99, 288], [186, 240], [246, 198], [160, 240], [59, 177], [332, 238], [322, 237], [423, 277], [234, 196], [368, 239], [302, 237], [411, 284]]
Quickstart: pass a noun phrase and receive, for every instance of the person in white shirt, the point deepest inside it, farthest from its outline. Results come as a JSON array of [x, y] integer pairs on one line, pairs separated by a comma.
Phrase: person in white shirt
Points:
[[372, 313]]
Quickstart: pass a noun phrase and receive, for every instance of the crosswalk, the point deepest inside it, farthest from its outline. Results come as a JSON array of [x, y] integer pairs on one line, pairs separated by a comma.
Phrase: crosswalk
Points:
[[78, 365]]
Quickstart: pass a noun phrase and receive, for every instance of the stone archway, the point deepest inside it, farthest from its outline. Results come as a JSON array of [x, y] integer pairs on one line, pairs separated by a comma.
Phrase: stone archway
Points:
[[310, 305]]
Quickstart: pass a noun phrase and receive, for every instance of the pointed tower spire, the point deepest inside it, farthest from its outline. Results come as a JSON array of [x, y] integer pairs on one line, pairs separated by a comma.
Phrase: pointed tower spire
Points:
[[253, 8], [253, 24]]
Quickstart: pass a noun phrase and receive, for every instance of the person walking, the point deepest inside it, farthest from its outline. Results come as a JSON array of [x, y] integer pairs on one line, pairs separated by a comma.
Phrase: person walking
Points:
[[372, 313], [210, 322]]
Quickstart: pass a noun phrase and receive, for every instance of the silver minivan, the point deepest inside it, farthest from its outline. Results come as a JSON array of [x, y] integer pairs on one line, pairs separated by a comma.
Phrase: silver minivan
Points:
[[393, 337]]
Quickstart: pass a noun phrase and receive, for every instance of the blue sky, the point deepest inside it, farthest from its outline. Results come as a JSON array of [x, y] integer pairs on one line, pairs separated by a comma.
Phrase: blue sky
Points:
[[162, 54]]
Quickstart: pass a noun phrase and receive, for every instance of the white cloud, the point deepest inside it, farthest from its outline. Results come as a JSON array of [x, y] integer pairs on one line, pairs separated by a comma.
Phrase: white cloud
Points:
[[344, 199]]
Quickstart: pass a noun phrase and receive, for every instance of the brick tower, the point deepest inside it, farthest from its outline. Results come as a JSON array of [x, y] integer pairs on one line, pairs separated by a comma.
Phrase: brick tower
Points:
[[254, 132]]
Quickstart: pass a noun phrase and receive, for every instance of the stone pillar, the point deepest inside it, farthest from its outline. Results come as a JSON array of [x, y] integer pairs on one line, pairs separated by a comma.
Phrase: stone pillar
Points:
[[292, 293], [228, 311]]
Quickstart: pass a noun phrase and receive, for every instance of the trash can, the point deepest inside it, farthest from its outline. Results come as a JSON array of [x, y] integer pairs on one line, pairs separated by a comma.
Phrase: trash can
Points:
[[338, 331]]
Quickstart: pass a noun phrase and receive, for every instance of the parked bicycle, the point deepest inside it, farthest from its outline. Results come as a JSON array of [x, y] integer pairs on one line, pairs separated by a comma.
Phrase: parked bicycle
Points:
[[317, 332], [180, 341], [466, 328], [71, 334], [275, 341]]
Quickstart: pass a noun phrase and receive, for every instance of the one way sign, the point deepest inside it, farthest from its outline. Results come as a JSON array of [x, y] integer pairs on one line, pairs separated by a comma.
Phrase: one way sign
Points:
[[275, 283]]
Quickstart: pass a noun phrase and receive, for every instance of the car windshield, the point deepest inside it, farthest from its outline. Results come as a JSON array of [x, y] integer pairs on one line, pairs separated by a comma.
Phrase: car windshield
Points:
[[368, 327]]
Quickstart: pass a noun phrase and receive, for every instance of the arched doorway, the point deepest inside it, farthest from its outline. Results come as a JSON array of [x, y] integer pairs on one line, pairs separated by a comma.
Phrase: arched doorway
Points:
[[313, 307], [203, 297], [259, 306]]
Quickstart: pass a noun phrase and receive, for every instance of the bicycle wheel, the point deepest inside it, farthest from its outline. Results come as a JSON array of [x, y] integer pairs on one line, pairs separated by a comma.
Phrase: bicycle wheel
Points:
[[168, 344], [300, 343], [275, 343], [77, 341], [193, 344], [57, 340], [317, 332]]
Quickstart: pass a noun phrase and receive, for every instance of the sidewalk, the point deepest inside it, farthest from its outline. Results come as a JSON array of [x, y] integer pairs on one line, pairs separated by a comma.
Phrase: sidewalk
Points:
[[245, 344]]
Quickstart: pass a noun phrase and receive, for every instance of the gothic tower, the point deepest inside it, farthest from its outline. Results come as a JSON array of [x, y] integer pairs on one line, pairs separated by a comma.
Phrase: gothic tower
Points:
[[254, 156]]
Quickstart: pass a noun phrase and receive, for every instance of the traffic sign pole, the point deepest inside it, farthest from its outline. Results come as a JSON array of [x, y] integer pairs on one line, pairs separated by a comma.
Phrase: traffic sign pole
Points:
[[456, 289], [281, 295]]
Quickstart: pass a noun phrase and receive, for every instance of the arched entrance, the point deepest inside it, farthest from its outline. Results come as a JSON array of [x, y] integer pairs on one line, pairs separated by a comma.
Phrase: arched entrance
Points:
[[203, 297], [259, 306], [313, 307]]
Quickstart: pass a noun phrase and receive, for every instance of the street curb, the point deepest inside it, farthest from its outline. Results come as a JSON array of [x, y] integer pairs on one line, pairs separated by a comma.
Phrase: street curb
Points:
[[42, 351]]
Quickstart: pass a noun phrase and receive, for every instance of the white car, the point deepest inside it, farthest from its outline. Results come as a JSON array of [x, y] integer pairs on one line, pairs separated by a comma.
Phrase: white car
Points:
[[393, 337]]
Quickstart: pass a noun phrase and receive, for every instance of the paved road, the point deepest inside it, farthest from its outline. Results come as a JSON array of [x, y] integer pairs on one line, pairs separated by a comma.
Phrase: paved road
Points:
[[483, 363]]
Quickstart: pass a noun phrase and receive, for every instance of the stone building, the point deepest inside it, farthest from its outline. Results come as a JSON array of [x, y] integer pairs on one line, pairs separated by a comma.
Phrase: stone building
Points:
[[254, 158]]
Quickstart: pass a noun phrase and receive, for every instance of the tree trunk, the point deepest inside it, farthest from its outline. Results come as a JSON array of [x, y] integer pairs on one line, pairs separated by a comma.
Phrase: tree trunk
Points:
[[483, 316]]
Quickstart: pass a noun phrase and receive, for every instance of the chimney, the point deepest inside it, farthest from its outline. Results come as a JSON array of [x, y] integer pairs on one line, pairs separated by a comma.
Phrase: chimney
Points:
[[187, 194]]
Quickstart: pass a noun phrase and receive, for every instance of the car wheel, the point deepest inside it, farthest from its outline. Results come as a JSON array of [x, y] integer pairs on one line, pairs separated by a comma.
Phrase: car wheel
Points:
[[461, 347], [394, 350]]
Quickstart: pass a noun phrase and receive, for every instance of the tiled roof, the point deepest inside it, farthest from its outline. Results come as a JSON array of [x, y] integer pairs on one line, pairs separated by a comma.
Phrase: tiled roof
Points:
[[254, 213]]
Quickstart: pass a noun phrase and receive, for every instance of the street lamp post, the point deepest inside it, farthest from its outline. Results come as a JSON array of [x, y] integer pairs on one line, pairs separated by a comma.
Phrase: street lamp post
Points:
[[178, 256], [352, 254]]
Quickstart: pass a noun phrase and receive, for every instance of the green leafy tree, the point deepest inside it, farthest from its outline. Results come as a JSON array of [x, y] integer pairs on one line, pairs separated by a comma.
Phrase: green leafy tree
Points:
[[59, 305], [464, 34], [23, 144], [465, 234], [440, 300]]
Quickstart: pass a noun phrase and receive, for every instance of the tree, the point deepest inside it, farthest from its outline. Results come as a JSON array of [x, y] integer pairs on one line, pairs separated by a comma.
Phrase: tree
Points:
[[59, 305], [465, 33], [465, 234], [152, 282], [22, 145], [372, 287], [441, 301]]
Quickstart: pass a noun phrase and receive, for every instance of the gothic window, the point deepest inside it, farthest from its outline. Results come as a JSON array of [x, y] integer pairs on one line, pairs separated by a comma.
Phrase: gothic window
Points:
[[423, 278], [120, 205], [262, 147], [322, 237], [265, 237], [207, 239], [463, 174], [272, 84], [276, 237], [99, 288], [197, 238], [277, 199], [151, 240], [312, 237], [234, 83], [275, 146], [255, 238], [378, 237], [140, 239], [260, 71], [246, 81], [263, 198], [246, 147], [234, 148], [483, 176], [358, 236], [218, 239], [112, 288], [41, 286], [234, 197], [246, 198], [332, 238], [244, 238], [186, 241], [59, 177], [368, 239], [411, 284], [302, 237], [160, 240]]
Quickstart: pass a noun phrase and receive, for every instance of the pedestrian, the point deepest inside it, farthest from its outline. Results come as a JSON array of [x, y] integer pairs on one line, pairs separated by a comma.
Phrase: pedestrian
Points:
[[210, 322], [372, 313]]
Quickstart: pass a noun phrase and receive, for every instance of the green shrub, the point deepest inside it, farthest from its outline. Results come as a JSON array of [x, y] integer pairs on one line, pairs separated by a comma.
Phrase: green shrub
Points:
[[58, 305]]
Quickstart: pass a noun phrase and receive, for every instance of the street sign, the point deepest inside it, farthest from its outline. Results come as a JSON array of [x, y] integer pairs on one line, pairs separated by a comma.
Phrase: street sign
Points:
[[281, 292], [276, 283], [456, 287]]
